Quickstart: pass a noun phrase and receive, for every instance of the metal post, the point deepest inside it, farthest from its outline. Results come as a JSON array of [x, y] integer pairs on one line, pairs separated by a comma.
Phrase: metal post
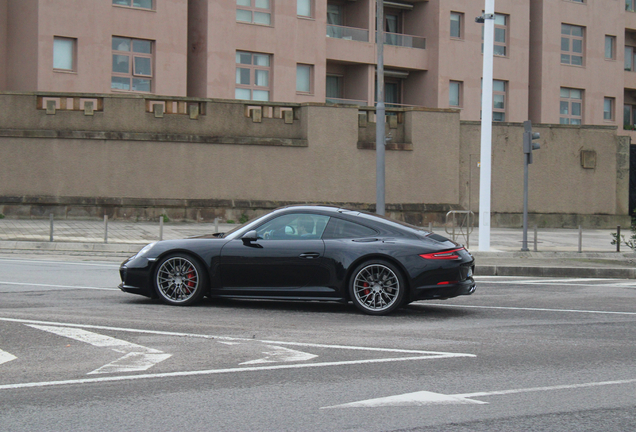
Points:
[[105, 228], [216, 225], [527, 135], [535, 238], [430, 227], [160, 227], [580, 239], [380, 133], [51, 229], [486, 127], [618, 238]]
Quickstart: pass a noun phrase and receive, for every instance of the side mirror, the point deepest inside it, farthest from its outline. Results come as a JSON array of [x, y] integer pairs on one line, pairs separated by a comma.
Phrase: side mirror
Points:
[[250, 236]]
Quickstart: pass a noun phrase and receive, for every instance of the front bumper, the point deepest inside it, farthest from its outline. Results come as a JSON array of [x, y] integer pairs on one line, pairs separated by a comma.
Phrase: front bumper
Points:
[[136, 274]]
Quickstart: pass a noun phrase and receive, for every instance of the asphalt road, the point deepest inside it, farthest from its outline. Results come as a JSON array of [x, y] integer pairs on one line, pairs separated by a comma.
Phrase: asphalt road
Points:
[[520, 354]]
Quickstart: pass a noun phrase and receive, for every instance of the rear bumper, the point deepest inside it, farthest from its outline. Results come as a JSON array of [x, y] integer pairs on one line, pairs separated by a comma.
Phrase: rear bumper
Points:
[[431, 292]]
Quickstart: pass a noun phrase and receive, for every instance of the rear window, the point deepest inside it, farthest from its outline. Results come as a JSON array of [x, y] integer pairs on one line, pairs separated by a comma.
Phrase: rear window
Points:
[[340, 228]]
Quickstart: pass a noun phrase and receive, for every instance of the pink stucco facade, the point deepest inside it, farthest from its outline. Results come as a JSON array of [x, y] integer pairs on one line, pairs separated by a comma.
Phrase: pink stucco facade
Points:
[[195, 45], [32, 26]]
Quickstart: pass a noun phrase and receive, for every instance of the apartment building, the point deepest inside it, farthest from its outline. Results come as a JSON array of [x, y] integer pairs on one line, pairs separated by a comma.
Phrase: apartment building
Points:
[[556, 61], [94, 46]]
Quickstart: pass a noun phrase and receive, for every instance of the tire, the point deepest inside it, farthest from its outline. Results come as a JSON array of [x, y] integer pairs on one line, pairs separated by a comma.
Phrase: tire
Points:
[[180, 280], [377, 287]]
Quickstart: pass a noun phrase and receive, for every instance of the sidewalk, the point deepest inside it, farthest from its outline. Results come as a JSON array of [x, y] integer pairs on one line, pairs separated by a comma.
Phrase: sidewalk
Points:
[[557, 249]]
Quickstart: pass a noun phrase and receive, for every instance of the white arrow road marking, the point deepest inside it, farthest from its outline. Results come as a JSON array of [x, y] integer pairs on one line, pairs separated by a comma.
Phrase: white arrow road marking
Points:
[[6, 357], [137, 358], [280, 354], [429, 398], [409, 399]]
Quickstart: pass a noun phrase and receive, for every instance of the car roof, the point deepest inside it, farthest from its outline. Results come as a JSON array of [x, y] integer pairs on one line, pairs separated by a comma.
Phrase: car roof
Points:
[[372, 218]]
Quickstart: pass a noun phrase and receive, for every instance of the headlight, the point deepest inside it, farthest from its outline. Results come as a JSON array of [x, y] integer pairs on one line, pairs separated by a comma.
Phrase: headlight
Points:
[[145, 249]]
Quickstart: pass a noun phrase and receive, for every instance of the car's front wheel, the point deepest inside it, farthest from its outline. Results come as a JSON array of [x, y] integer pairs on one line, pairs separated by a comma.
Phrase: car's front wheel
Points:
[[180, 280], [377, 287]]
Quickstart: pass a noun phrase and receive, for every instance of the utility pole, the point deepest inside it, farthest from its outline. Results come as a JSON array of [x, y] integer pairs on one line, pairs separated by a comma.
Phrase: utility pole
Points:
[[486, 125], [380, 114]]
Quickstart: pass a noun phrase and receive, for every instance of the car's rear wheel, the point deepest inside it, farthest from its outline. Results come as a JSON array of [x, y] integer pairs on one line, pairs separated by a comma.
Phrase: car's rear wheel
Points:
[[180, 280], [377, 287]]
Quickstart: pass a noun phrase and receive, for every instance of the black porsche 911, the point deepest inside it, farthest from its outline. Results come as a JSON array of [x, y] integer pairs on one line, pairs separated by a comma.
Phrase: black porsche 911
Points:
[[306, 253]]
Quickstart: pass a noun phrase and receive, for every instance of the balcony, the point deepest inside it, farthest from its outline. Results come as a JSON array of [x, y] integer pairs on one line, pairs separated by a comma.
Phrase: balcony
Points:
[[403, 40], [347, 33], [341, 101]]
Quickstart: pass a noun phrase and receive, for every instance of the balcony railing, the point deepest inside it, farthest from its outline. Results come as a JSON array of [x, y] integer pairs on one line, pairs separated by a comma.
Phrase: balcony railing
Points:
[[341, 101], [403, 40], [348, 33]]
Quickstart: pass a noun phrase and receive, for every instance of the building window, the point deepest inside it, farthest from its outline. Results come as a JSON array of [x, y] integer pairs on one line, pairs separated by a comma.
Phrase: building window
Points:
[[456, 23], [501, 36], [629, 117], [629, 5], [455, 94], [139, 4], [132, 64], [252, 76], [304, 78], [64, 53], [629, 58], [571, 106], [610, 47], [572, 45], [254, 11], [334, 88], [608, 109], [304, 8], [498, 100]]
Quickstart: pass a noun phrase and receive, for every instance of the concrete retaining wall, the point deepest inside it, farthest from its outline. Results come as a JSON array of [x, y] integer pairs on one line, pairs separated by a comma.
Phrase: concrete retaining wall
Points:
[[81, 155]]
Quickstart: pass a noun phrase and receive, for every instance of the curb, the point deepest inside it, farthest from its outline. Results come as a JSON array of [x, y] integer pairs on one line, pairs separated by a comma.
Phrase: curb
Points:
[[533, 271]]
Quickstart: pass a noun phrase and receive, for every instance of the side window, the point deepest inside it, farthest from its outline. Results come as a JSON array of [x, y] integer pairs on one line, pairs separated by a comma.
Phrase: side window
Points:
[[301, 226], [340, 228]]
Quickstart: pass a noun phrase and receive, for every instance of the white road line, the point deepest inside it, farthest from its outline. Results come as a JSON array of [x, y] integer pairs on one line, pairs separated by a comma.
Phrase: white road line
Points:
[[57, 286], [227, 338], [534, 309], [59, 262], [429, 398], [421, 355], [548, 388], [137, 357], [222, 371], [6, 357]]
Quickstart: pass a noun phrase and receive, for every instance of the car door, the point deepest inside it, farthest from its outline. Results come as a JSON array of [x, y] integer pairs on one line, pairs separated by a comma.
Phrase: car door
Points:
[[286, 258]]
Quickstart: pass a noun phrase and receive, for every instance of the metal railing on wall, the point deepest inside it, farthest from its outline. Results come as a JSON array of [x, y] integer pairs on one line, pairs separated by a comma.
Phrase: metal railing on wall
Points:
[[102, 231]]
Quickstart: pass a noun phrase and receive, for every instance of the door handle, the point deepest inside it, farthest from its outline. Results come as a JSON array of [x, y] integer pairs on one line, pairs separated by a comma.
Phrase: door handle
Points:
[[309, 255]]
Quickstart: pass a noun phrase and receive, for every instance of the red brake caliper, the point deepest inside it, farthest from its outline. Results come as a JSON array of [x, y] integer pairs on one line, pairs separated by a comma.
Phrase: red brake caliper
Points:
[[191, 276], [366, 291]]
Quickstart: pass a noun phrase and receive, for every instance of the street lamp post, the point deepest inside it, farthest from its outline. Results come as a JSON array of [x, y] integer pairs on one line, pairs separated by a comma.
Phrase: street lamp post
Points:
[[486, 126], [380, 113]]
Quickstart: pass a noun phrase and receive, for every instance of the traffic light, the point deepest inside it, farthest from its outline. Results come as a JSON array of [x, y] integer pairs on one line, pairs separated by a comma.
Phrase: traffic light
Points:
[[528, 140]]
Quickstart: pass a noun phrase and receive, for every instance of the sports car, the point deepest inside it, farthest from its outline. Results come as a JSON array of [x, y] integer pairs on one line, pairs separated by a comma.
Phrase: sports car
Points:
[[306, 253]]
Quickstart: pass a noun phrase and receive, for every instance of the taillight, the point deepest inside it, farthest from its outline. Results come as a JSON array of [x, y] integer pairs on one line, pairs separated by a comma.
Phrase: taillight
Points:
[[452, 254]]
